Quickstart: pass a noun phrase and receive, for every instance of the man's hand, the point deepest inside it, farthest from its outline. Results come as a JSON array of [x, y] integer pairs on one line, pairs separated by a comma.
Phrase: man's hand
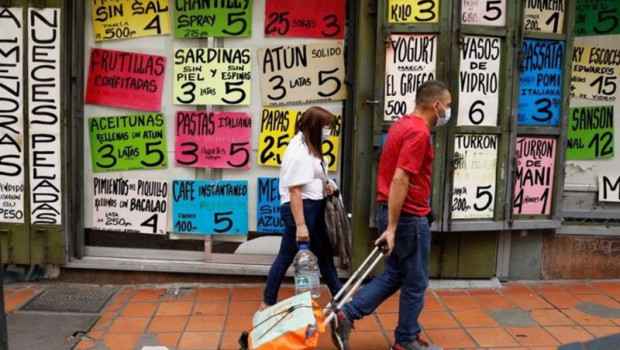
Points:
[[302, 233], [388, 236]]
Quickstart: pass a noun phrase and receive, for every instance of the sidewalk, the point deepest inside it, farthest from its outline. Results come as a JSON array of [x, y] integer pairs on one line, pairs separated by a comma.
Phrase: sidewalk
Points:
[[520, 315]]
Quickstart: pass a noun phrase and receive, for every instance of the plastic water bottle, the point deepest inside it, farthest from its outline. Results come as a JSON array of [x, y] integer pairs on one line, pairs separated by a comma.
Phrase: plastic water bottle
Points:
[[306, 267]]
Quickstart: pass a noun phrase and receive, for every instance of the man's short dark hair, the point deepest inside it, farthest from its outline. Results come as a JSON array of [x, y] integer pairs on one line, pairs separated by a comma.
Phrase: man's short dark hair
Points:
[[430, 91]]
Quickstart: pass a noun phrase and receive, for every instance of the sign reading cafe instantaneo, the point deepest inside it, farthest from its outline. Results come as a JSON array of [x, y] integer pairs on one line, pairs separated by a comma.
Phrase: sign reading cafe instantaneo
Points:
[[535, 169], [120, 19], [11, 116], [130, 205]]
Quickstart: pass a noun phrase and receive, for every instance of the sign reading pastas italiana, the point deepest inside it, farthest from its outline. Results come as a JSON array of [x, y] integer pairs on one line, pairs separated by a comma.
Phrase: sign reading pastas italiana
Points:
[[120, 19], [546, 16], [303, 18], [590, 133], [540, 87], [479, 81], [213, 139], [268, 206], [208, 76], [596, 72], [202, 19], [12, 116], [125, 79], [534, 183], [410, 60], [128, 142], [130, 205], [475, 159], [302, 74], [484, 12], [278, 127], [601, 17], [413, 11], [210, 207]]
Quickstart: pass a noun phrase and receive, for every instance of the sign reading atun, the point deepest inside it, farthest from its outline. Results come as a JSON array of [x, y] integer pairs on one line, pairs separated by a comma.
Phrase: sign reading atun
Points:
[[202, 19], [130, 205], [120, 19], [596, 73]]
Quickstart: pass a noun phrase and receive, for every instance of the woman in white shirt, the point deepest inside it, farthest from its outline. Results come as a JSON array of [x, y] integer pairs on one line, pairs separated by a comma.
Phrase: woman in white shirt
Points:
[[303, 187]]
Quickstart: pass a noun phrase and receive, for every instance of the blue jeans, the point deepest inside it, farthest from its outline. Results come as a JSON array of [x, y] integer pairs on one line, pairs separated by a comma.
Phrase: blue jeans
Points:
[[314, 214], [405, 269]]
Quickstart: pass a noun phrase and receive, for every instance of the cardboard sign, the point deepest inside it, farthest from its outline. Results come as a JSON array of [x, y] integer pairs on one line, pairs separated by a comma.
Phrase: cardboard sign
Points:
[[410, 60], [479, 81], [475, 160], [268, 206], [590, 133], [12, 116], [484, 12], [208, 76], [535, 171], [125, 79], [544, 16], [278, 127], [302, 74], [306, 19], [596, 73], [128, 142], [609, 188], [121, 19], [597, 18], [44, 115], [130, 205], [540, 87], [413, 11], [220, 19], [210, 207], [213, 139]]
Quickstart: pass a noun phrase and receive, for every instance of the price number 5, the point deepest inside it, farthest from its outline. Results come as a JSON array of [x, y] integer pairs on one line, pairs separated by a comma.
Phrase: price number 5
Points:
[[108, 158]]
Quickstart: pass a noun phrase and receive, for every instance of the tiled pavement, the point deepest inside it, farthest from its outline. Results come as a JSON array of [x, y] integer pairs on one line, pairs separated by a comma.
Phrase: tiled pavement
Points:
[[520, 315]]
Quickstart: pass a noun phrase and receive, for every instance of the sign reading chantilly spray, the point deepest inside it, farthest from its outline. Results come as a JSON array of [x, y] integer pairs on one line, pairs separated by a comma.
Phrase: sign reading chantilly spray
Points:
[[130, 205], [534, 183], [268, 206], [203, 19]]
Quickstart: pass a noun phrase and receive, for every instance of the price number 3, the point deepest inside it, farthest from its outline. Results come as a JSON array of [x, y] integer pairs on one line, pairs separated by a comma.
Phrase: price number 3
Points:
[[279, 23], [189, 154], [279, 90], [153, 155]]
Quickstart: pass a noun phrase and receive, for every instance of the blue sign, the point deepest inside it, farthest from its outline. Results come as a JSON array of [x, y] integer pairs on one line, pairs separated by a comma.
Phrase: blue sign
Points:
[[268, 206], [210, 207], [540, 83]]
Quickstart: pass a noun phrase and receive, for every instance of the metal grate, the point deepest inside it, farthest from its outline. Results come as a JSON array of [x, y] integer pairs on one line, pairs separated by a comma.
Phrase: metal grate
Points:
[[79, 299]]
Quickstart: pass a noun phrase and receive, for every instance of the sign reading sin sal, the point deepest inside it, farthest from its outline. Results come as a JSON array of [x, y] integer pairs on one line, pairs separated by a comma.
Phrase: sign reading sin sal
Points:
[[535, 168], [120, 19]]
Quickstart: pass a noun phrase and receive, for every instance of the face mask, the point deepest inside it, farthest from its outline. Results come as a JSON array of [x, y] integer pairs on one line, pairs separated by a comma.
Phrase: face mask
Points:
[[325, 134], [443, 121]]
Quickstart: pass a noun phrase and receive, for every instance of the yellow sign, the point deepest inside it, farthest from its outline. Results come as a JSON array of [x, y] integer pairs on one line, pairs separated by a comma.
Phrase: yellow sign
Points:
[[413, 11], [278, 127], [122, 19], [596, 72]]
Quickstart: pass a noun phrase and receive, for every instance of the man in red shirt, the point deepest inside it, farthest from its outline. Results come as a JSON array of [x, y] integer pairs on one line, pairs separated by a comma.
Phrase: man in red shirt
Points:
[[403, 193]]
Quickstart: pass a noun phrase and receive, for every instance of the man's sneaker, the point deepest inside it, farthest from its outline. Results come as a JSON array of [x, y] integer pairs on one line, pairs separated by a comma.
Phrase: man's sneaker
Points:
[[417, 344], [341, 329]]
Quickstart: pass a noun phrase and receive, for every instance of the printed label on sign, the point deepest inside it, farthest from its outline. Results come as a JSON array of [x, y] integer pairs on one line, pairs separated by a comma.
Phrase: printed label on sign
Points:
[[601, 17], [210, 207], [202, 19], [475, 160], [596, 73], [208, 76], [130, 205], [268, 206], [540, 82], [125, 79], [483, 12], [535, 169], [301, 18], [545, 16], [302, 74], [410, 60], [609, 188], [479, 81], [590, 133], [12, 116], [413, 11], [128, 142], [213, 139], [121, 19]]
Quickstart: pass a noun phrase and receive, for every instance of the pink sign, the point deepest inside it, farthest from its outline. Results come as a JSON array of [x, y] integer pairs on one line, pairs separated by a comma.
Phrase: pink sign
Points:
[[213, 139], [125, 79], [535, 167]]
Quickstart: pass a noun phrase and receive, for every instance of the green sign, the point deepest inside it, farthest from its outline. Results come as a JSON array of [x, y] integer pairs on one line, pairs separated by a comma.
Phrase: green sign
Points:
[[600, 17], [590, 133], [128, 142], [203, 19]]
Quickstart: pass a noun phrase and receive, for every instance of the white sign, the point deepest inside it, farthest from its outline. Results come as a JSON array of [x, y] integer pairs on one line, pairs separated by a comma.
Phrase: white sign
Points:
[[546, 16], [483, 12], [126, 205], [44, 115], [479, 81], [609, 188], [410, 60], [11, 116], [473, 193]]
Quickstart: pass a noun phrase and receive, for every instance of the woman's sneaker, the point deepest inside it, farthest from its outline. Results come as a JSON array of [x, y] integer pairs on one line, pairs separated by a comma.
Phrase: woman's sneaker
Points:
[[416, 344], [341, 329]]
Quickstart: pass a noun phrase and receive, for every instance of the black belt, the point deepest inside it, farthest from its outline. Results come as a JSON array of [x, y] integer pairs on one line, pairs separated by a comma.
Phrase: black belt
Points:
[[384, 205]]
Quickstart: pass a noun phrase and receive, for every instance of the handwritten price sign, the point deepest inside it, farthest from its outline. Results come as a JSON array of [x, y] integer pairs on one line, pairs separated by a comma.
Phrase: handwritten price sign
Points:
[[122, 19], [590, 133], [202, 19], [544, 16], [268, 206], [301, 18], [484, 12], [597, 18], [595, 73], [535, 169], [413, 11]]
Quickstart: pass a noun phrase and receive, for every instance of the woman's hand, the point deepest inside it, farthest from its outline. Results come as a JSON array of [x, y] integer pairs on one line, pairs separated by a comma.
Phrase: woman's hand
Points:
[[329, 188], [302, 233]]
